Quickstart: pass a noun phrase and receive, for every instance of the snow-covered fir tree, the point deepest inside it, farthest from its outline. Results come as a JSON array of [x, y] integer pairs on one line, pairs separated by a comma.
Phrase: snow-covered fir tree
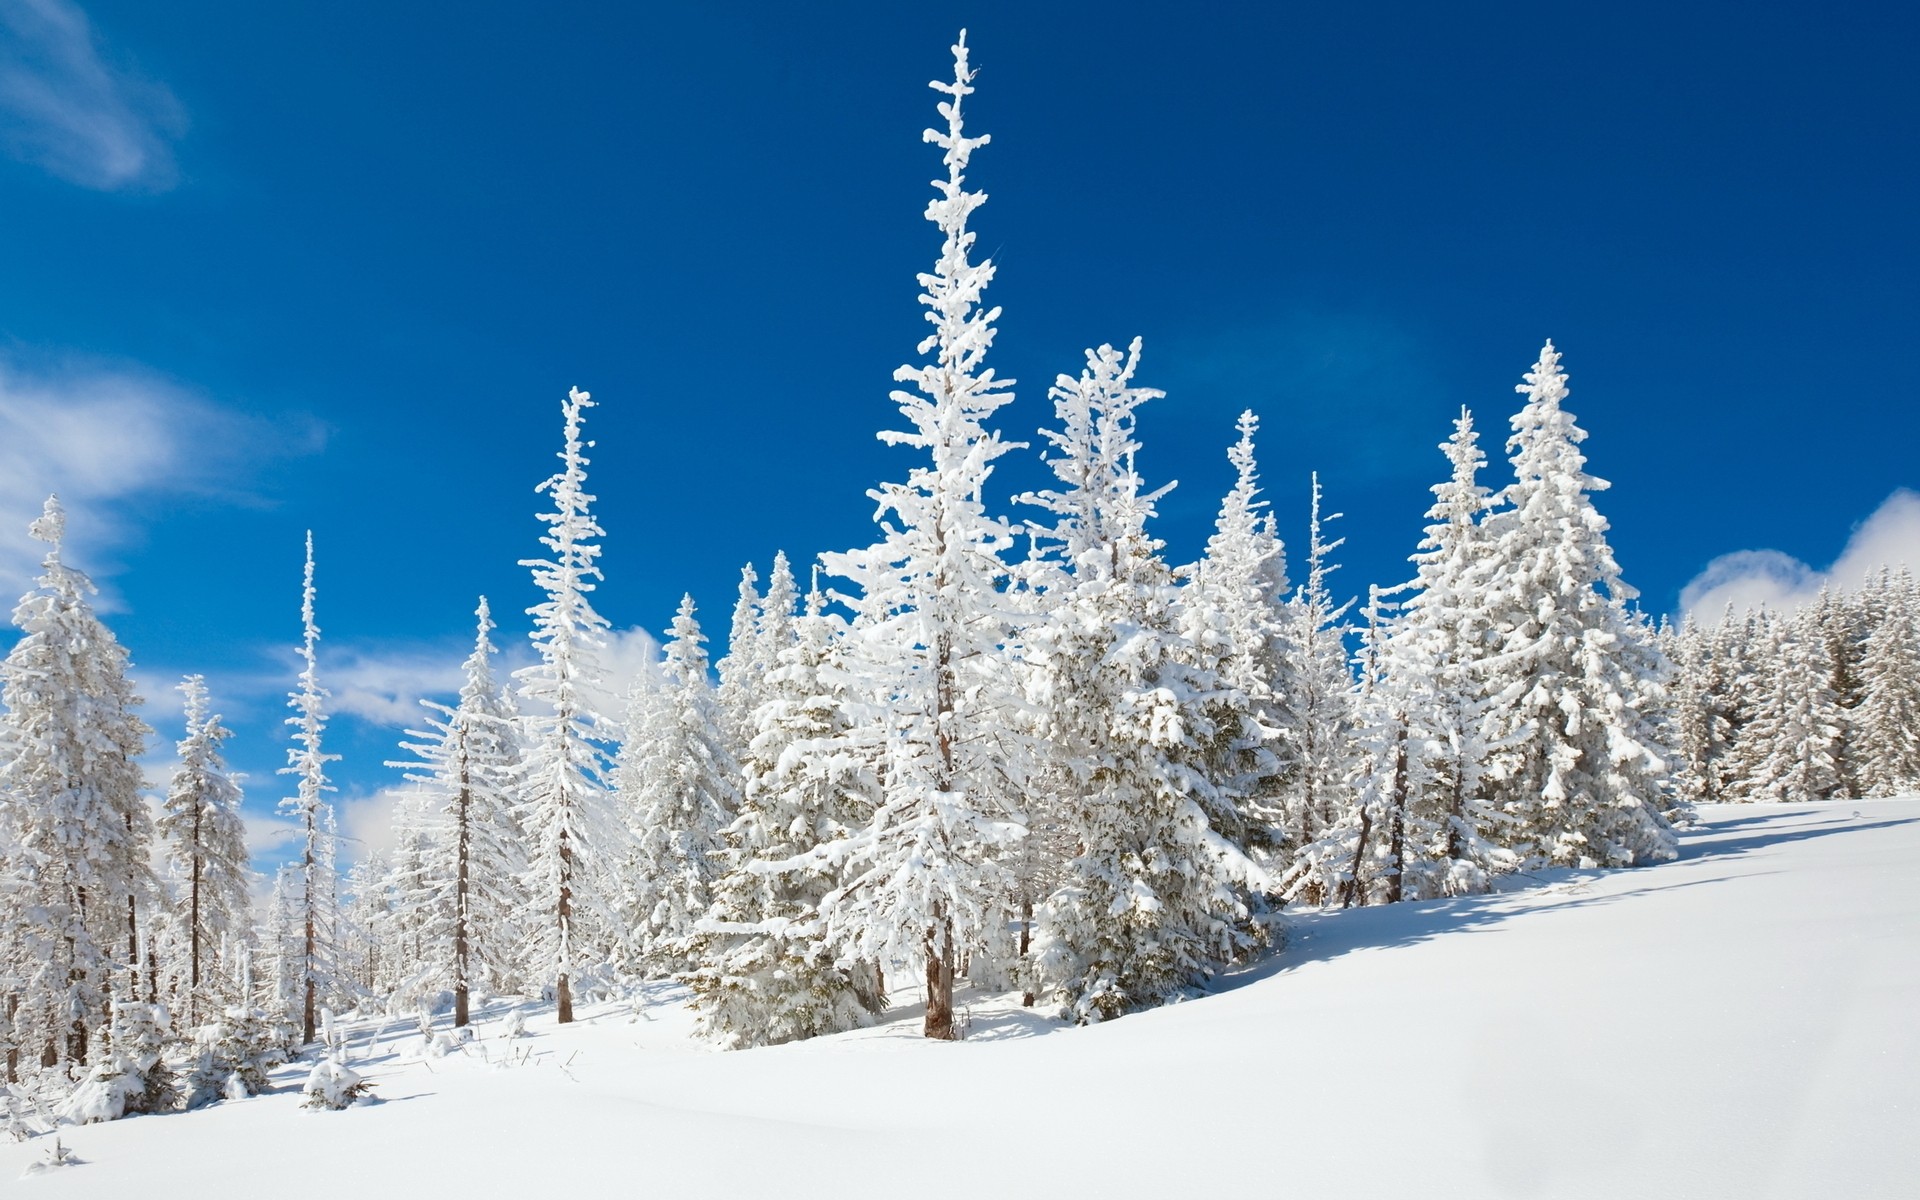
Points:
[[927, 878], [1316, 712], [307, 762], [1887, 719], [1798, 728], [679, 786], [766, 973], [564, 801], [1577, 759], [1233, 614], [1154, 899], [205, 842], [468, 890], [1438, 646], [72, 822]]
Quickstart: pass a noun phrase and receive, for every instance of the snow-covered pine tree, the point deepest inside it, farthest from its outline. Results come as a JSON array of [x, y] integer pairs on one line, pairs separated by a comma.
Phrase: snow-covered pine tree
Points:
[[1446, 624], [1748, 647], [1233, 615], [307, 762], [206, 843], [1888, 717], [1797, 728], [1316, 713], [1702, 696], [1362, 855], [1154, 899], [1844, 620], [762, 631], [1578, 761], [927, 876], [679, 786], [76, 828], [739, 668], [564, 801], [765, 973], [465, 769]]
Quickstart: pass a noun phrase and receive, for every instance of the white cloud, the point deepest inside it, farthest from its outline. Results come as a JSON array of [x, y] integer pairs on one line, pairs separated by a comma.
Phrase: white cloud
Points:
[[1770, 578], [629, 656], [65, 108], [386, 686], [366, 823], [104, 437]]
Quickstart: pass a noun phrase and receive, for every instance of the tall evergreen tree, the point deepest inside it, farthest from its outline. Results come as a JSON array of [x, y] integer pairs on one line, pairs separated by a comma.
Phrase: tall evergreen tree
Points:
[[307, 762], [1233, 615], [1153, 899], [927, 877], [1316, 713], [465, 768], [206, 843], [679, 787], [1578, 762], [766, 973], [1888, 715], [564, 800], [75, 826]]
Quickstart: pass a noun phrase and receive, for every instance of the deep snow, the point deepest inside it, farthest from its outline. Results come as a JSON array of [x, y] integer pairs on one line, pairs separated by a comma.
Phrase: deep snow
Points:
[[1737, 1023]]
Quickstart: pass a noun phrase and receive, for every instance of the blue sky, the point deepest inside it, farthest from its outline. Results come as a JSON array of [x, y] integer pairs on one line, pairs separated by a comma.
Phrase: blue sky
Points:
[[272, 267]]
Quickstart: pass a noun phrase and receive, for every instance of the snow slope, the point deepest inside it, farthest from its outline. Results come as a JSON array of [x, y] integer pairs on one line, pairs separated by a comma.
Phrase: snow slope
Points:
[[1738, 1023]]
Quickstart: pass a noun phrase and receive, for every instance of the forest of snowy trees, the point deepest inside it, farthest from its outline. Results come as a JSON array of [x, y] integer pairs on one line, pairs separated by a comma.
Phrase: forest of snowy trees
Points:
[[1014, 747]]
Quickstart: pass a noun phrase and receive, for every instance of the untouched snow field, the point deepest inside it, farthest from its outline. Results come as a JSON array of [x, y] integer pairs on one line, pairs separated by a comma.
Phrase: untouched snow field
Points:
[[1738, 1023]]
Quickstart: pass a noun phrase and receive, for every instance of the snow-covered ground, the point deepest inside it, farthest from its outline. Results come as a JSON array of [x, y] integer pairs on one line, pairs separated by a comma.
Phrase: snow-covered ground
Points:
[[1742, 1022]]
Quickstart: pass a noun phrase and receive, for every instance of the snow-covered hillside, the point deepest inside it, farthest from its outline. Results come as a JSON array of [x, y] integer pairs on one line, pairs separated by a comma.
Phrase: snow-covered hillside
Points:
[[1741, 1022]]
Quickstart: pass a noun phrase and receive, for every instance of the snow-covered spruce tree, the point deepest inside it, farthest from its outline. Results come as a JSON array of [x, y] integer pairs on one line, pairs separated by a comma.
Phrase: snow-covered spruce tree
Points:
[[762, 631], [679, 786], [77, 831], [318, 893], [1702, 698], [468, 890], [1798, 728], [1362, 855], [206, 844], [765, 974], [1316, 713], [1844, 620], [1577, 761], [1233, 615], [1888, 716], [1154, 898], [1440, 644], [927, 876], [564, 801], [131, 1075], [1749, 647], [739, 667]]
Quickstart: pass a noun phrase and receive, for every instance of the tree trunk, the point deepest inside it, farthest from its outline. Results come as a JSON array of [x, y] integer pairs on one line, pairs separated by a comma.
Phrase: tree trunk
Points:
[[1026, 941], [463, 837], [1352, 887], [562, 994], [1397, 833], [939, 1022]]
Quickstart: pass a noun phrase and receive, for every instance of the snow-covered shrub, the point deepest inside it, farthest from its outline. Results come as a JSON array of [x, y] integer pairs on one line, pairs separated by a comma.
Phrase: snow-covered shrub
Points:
[[235, 1054], [333, 1085], [132, 1077]]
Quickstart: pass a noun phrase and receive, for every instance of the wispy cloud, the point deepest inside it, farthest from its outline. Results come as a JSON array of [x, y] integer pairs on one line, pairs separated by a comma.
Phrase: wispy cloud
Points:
[[106, 437], [67, 108], [1773, 579]]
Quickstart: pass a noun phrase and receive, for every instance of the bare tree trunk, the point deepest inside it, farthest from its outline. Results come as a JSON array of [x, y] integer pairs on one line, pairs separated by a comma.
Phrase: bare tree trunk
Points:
[[1352, 886], [463, 842], [563, 994], [1026, 941], [1397, 832], [193, 928], [939, 1022]]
